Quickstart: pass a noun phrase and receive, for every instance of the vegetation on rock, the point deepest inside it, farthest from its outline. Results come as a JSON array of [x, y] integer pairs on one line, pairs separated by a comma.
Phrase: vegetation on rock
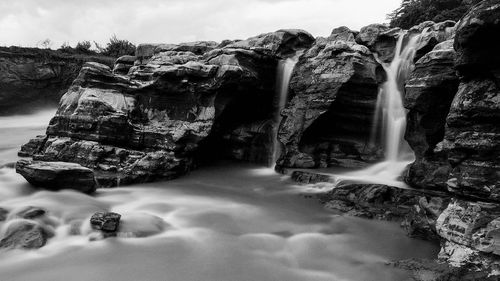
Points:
[[413, 12]]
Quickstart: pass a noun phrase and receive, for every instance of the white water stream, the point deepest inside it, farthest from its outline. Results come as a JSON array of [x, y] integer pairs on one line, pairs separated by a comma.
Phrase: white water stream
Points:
[[228, 222], [392, 115], [283, 76]]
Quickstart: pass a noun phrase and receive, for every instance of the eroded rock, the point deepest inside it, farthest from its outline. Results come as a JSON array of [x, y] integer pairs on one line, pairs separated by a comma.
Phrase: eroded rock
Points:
[[57, 175], [24, 234], [176, 104], [333, 92], [105, 221]]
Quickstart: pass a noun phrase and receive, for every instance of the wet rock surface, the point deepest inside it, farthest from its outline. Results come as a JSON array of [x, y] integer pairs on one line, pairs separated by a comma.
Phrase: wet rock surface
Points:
[[105, 221], [57, 175], [333, 92], [389, 203], [24, 234], [311, 177], [429, 94], [461, 156], [175, 104]]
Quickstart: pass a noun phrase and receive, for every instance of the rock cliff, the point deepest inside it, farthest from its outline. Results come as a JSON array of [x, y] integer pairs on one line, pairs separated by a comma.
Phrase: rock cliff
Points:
[[333, 92], [35, 77], [173, 107]]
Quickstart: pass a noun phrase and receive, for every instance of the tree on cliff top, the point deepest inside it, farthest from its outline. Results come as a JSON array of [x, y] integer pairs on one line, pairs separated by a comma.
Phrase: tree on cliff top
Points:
[[413, 12]]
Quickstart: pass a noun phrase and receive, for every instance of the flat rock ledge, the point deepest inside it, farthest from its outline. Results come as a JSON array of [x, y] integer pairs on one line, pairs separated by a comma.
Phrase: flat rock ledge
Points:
[[57, 175]]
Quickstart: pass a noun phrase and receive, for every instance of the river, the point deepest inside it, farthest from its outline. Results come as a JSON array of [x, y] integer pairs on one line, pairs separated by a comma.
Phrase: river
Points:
[[227, 222]]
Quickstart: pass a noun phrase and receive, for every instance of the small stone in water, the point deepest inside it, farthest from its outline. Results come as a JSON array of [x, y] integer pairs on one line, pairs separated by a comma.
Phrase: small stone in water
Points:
[[30, 212], [107, 222]]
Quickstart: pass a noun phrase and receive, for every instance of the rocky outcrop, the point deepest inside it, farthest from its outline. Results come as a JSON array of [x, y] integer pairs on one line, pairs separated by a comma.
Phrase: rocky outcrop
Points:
[[57, 175], [416, 210], [429, 93], [381, 40], [152, 123], [123, 64], [470, 235], [37, 77], [466, 159], [333, 91]]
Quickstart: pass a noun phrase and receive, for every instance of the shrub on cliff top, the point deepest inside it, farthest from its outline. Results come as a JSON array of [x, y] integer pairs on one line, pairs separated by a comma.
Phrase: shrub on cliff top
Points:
[[413, 12], [117, 47]]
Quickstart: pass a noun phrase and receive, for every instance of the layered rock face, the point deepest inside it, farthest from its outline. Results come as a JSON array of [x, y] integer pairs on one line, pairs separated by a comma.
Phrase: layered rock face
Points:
[[459, 153], [381, 40], [151, 123], [31, 77], [333, 91], [429, 93]]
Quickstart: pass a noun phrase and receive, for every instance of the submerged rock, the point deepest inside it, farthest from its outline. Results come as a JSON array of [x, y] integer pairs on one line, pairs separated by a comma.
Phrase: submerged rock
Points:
[[57, 175], [30, 212], [140, 225], [24, 234], [311, 177]]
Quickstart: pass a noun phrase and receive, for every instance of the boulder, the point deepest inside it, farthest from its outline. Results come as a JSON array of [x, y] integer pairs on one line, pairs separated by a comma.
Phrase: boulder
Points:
[[471, 235], [105, 221], [24, 234], [333, 91], [57, 175]]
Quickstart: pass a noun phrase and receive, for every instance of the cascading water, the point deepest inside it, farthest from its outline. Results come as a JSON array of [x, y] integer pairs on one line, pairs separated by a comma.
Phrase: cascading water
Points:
[[390, 117], [284, 74]]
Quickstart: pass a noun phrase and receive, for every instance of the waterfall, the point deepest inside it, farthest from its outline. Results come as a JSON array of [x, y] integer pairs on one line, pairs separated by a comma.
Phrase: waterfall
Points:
[[283, 76], [390, 117], [390, 100]]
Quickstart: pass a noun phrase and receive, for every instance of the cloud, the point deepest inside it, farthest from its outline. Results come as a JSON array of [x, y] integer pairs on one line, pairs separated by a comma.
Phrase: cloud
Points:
[[26, 22]]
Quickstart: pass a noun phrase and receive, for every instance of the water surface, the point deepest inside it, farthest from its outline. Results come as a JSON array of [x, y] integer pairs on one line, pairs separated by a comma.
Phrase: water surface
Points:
[[227, 222]]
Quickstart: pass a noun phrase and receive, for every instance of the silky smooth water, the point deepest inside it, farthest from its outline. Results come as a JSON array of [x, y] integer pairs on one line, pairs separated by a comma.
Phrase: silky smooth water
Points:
[[227, 222], [283, 76], [390, 116]]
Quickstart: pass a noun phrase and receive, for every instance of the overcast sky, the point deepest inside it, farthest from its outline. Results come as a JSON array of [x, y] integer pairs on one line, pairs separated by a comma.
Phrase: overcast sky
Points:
[[26, 22]]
